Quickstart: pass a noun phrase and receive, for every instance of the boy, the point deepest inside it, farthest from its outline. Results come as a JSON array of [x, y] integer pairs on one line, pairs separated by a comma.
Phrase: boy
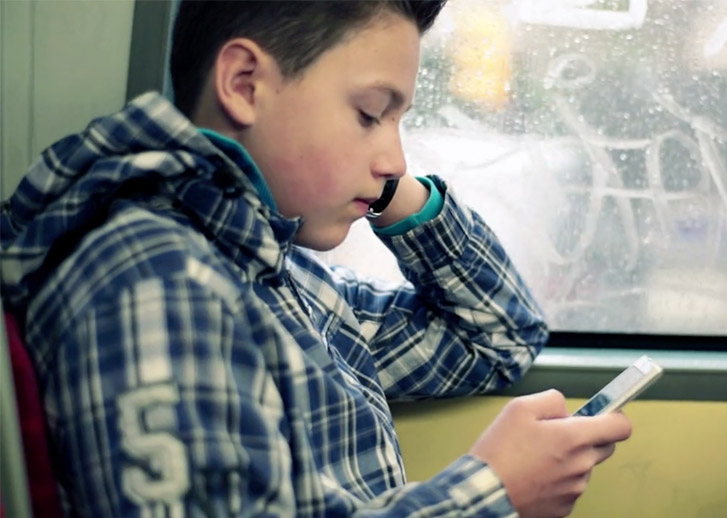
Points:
[[196, 360]]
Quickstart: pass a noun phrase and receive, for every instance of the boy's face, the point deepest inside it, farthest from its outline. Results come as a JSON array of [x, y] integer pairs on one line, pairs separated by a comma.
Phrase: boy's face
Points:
[[327, 142]]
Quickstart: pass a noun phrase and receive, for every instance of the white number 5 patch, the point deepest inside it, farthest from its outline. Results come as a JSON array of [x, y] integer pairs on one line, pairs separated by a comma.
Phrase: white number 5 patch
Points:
[[164, 477]]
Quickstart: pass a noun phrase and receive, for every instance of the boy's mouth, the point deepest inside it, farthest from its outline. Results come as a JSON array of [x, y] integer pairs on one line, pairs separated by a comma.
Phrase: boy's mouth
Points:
[[367, 201], [362, 205]]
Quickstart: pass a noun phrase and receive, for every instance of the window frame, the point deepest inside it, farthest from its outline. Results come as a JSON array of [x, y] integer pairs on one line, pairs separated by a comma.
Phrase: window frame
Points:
[[575, 362]]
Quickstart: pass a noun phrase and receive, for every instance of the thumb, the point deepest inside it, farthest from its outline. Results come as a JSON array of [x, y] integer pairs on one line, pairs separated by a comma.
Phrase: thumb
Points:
[[549, 404]]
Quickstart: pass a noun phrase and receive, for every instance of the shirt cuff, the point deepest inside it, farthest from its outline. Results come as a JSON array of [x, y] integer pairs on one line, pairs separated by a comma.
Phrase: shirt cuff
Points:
[[431, 210], [475, 488], [445, 238]]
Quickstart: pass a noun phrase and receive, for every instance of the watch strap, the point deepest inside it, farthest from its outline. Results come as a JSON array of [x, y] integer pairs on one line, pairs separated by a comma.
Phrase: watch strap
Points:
[[377, 207]]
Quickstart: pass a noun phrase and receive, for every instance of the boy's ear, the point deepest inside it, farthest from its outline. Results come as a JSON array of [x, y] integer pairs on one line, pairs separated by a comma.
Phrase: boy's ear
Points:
[[238, 75]]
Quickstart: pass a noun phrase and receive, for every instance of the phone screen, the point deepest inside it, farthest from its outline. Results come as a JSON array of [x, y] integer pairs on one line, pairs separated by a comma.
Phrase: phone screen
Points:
[[623, 388]]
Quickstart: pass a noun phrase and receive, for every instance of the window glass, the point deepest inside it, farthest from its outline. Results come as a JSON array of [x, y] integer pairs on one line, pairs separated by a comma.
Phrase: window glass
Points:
[[592, 137]]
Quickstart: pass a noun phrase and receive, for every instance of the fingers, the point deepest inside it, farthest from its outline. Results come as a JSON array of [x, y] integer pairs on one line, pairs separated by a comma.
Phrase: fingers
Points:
[[569, 491], [604, 429], [604, 451], [595, 437]]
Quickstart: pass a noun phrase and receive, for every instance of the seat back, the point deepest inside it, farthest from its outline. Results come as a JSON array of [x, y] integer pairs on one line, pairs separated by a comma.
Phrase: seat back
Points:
[[28, 485]]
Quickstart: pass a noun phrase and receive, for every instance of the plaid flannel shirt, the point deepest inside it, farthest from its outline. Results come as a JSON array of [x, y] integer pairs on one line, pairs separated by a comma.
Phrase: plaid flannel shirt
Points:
[[193, 361]]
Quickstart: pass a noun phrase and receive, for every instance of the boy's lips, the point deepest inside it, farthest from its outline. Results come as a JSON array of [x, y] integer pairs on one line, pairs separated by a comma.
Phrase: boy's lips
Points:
[[362, 205], [367, 201]]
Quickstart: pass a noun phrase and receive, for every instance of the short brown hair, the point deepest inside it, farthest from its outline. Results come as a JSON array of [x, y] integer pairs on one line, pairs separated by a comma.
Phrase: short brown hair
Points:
[[294, 32]]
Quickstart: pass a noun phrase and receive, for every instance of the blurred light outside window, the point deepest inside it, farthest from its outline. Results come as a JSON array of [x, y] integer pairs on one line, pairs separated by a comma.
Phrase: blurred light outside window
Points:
[[592, 137]]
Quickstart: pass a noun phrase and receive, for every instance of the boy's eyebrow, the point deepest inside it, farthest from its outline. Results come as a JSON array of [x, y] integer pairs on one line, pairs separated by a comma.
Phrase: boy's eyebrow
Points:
[[396, 98]]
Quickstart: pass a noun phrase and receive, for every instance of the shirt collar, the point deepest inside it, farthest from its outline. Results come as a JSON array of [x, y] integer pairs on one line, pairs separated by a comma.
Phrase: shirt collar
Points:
[[237, 153]]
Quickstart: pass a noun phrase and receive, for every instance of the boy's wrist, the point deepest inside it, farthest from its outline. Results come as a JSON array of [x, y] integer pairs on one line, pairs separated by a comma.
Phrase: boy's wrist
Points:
[[410, 198]]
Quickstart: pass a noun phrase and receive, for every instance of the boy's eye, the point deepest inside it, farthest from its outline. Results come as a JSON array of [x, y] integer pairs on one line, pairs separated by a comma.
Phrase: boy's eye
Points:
[[367, 120]]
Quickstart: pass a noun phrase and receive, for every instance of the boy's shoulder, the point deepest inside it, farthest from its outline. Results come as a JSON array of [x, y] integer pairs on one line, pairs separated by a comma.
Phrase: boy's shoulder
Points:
[[135, 244]]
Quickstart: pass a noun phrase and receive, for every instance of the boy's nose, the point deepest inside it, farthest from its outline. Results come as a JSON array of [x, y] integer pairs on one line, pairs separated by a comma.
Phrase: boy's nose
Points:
[[390, 162]]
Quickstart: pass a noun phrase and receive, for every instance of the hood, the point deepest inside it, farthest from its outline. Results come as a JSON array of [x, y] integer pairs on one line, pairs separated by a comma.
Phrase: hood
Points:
[[147, 147]]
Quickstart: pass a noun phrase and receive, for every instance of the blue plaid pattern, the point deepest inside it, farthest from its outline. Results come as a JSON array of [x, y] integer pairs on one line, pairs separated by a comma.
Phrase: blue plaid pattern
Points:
[[194, 362]]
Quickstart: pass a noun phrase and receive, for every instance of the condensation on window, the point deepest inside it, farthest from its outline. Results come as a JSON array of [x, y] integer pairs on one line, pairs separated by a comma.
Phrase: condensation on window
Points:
[[592, 137]]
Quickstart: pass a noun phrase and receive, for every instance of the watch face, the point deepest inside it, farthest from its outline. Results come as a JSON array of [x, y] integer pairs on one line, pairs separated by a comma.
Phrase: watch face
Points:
[[377, 207]]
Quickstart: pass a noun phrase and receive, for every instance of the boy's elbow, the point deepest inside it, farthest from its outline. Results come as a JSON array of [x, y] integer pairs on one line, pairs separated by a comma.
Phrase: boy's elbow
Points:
[[541, 335], [535, 335]]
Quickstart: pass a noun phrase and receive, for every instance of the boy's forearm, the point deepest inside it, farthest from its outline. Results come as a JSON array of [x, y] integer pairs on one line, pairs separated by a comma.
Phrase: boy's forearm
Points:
[[410, 198], [478, 309]]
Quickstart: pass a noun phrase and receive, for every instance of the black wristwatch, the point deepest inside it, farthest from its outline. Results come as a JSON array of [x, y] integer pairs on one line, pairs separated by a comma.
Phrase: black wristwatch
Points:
[[377, 207]]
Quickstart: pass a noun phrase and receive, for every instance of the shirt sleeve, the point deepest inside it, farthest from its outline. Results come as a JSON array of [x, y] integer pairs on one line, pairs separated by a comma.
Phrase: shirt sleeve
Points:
[[171, 401], [465, 322]]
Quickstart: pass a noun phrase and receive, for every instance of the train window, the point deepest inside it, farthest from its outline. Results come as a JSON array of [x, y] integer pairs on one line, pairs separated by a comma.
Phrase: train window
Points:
[[592, 137]]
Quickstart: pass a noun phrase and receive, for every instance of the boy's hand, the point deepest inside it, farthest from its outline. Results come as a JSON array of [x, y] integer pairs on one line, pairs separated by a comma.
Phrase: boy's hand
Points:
[[543, 455], [410, 198]]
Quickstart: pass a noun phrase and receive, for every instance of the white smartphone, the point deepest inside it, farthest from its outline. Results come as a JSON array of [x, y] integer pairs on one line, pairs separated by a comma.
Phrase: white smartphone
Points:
[[623, 388]]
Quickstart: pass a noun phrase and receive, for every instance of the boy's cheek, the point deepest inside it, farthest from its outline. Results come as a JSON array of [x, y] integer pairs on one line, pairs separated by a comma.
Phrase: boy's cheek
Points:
[[324, 170], [312, 176]]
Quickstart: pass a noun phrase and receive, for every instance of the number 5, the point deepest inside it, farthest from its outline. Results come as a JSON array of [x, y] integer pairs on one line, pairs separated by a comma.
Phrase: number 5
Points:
[[166, 477]]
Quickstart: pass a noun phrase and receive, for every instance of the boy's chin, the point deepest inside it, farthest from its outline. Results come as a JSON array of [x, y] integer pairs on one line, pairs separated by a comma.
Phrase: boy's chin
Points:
[[321, 240]]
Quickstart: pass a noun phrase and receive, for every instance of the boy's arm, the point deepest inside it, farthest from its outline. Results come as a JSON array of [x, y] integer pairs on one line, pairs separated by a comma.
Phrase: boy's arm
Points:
[[466, 324], [165, 403]]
